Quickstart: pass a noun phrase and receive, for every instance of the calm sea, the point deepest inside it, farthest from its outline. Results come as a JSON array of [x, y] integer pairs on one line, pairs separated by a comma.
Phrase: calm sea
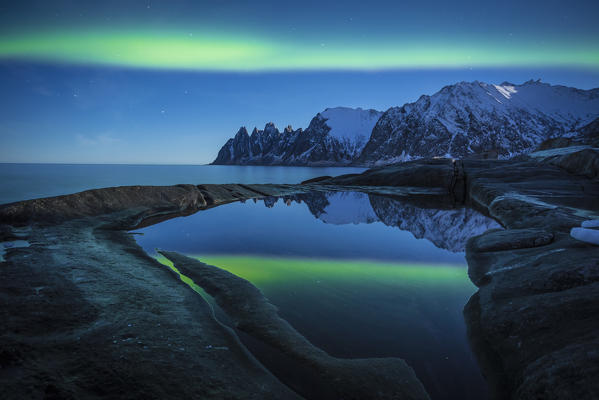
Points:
[[30, 181]]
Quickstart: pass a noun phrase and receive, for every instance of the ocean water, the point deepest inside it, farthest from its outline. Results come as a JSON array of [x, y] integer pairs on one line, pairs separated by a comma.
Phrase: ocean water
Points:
[[358, 275], [30, 181]]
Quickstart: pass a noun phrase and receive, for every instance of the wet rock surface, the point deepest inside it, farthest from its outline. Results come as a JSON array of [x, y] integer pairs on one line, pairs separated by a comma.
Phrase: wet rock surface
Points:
[[531, 322], [252, 313], [87, 314]]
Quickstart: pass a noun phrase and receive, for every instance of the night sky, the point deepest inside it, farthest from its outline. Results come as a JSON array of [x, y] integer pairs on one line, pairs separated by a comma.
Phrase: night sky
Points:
[[170, 81]]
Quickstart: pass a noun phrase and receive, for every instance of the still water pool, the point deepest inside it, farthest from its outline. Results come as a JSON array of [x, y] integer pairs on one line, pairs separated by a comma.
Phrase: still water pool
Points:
[[358, 275]]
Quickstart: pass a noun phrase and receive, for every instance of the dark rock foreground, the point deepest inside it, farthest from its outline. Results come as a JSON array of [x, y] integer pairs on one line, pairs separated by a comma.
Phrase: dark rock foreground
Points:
[[87, 314], [332, 378]]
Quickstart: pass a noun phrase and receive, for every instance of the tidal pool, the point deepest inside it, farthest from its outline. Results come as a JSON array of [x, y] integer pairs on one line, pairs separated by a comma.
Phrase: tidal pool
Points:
[[358, 275]]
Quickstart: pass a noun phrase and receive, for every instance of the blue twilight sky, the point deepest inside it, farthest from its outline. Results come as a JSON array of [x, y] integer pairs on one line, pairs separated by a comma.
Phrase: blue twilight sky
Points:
[[170, 81]]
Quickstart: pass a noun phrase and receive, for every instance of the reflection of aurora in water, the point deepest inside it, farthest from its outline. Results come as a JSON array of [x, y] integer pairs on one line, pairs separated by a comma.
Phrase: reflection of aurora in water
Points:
[[264, 272], [349, 280]]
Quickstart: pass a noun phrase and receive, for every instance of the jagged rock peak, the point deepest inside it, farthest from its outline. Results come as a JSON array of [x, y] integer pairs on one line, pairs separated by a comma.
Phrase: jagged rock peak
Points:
[[241, 132], [270, 128], [334, 136], [532, 81]]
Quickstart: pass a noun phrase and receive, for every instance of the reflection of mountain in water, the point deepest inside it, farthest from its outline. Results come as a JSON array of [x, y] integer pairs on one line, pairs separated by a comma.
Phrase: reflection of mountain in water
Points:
[[341, 208], [446, 229]]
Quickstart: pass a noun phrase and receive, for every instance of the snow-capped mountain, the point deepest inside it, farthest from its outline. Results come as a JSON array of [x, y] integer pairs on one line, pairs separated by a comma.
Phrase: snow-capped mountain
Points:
[[464, 119], [351, 127], [479, 118], [335, 136]]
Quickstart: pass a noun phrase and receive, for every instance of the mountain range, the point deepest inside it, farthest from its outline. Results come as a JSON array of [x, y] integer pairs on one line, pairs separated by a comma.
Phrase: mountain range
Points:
[[461, 120]]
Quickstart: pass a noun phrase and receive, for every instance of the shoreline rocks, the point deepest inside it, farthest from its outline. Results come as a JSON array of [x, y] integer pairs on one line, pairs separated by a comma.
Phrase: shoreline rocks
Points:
[[83, 295]]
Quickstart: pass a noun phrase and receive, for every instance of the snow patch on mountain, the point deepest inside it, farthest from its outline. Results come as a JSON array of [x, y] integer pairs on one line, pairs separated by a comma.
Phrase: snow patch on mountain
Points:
[[506, 90], [350, 123]]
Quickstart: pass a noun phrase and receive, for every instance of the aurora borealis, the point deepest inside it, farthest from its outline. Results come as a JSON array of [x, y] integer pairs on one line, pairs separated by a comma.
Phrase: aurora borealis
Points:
[[269, 35], [108, 81], [182, 50]]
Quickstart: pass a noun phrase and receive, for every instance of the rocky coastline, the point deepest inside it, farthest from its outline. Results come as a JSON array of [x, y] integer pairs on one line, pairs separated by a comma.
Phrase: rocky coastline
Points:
[[88, 314]]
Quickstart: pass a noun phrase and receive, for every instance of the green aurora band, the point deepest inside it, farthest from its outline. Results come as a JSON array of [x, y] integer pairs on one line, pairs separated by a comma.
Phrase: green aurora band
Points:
[[209, 51], [268, 271]]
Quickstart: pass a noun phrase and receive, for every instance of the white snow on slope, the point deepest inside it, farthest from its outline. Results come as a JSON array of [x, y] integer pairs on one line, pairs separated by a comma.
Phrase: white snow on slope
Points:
[[562, 103], [567, 104], [350, 123], [506, 90]]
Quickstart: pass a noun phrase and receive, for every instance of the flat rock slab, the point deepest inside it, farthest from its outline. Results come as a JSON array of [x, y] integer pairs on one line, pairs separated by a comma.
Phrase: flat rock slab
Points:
[[251, 312], [86, 314], [510, 240]]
